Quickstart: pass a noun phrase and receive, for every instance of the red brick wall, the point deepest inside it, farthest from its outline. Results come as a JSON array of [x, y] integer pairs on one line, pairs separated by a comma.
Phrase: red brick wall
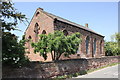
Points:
[[45, 23], [50, 69], [72, 29]]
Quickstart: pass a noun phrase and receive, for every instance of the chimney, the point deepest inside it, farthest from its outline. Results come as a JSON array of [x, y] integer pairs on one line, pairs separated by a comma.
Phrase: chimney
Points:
[[86, 25], [41, 8]]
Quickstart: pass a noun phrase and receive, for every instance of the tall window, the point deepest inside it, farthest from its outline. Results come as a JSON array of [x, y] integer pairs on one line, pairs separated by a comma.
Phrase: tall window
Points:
[[101, 47], [36, 29], [44, 32], [29, 45], [65, 32], [29, 37], [94, 46], [87, 44]]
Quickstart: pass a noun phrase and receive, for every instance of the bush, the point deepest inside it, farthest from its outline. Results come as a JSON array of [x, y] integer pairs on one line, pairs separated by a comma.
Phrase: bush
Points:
[[13, 52], [112, 49]]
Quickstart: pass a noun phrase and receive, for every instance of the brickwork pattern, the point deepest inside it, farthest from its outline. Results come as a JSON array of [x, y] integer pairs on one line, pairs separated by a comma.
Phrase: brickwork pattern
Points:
[[72, 29]]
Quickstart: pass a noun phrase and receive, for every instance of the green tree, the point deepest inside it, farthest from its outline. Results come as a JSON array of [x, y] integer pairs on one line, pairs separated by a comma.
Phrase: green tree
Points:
[[117, 37], [112, 47], [57, 44], [10, 16], [13, 52]]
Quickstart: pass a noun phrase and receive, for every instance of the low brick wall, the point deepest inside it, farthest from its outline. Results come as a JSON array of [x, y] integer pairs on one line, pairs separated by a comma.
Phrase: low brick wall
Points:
[[50, 69]]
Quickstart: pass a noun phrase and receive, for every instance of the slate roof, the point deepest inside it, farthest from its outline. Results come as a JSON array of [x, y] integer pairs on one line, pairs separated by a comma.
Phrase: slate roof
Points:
[[71, 23]]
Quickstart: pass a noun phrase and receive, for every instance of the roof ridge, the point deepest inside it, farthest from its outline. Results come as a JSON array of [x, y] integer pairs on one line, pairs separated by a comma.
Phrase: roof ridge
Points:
[[64, 18], [70, 22]]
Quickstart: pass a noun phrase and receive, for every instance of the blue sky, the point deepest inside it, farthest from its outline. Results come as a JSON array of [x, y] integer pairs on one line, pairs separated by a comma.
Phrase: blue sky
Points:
[[102, 17]]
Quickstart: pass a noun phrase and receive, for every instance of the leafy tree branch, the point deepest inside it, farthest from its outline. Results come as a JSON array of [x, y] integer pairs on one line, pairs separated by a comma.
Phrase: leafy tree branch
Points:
[[57, 44]]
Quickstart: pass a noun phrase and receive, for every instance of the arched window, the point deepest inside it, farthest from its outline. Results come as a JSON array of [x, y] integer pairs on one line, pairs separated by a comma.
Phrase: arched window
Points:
[[29, 37], [65, 32], [37, 13], [87, 44], [101, 47], [94, 46], [44, 32], [36, 30], [29, 45]]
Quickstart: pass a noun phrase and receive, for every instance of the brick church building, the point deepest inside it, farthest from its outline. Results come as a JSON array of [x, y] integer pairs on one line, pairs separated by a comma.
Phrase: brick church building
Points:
[[92, 45]]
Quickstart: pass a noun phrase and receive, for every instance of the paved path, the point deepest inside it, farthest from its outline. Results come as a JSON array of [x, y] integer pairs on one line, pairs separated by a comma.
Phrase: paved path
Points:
[[109, 72]]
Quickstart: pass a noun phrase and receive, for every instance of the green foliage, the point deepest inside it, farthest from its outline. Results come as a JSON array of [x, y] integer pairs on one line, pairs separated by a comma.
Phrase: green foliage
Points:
[[57, 44], [13, 51], [117, 37], [10, 16], [112, 48], [41, 46]]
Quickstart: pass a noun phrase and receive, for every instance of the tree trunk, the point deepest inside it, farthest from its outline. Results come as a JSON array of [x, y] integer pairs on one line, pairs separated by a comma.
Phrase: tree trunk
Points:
[[52, 55]]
